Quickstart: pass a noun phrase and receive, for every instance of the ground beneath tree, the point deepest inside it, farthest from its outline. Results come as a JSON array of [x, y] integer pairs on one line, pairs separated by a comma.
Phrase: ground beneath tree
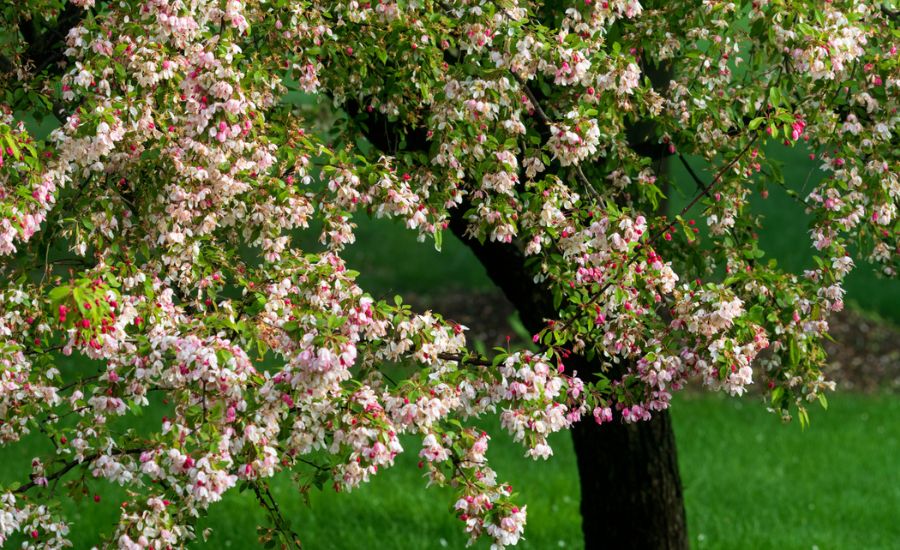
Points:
[[865, 355]]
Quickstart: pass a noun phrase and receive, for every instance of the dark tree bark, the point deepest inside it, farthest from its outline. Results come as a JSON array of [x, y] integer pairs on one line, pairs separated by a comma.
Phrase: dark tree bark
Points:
[[631, 494]]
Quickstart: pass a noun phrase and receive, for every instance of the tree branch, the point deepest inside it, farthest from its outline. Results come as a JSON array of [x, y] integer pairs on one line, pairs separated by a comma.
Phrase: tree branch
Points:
[[704, 190], [546, 123], [72, 464], [694, 176], [268, 502]]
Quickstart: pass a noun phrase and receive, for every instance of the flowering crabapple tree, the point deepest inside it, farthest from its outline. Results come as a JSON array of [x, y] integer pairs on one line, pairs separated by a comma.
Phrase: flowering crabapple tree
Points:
[[150, 256]]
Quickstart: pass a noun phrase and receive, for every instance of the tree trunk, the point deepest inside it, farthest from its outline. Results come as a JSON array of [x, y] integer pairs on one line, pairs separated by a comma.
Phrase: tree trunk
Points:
[[630, 486], [631, 493]]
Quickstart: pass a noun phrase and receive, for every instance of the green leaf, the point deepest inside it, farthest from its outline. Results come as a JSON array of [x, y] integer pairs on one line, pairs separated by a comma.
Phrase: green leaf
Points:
[[59, 294], [135, 409], [756, 314], [775, 96], [804, 417], [438, 240], [79, 297], [794, 352], [777, 394]]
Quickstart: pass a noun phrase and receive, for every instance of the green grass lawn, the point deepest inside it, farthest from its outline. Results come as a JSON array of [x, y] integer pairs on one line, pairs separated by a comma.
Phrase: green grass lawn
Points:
[[749, 482]]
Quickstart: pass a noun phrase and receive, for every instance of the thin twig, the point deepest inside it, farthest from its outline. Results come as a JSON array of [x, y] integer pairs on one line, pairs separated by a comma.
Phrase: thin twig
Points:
[[268, 502], [467, 359], [693, 174], [545, 120], [72, 464], [79, 381]]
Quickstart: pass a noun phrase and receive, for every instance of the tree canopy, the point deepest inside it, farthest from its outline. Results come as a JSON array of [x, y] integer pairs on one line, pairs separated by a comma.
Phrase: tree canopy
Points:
[[150, 243]]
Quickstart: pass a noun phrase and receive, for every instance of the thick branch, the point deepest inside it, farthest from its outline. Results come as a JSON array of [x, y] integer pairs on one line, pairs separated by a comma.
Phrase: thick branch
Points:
[[505, 265]]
